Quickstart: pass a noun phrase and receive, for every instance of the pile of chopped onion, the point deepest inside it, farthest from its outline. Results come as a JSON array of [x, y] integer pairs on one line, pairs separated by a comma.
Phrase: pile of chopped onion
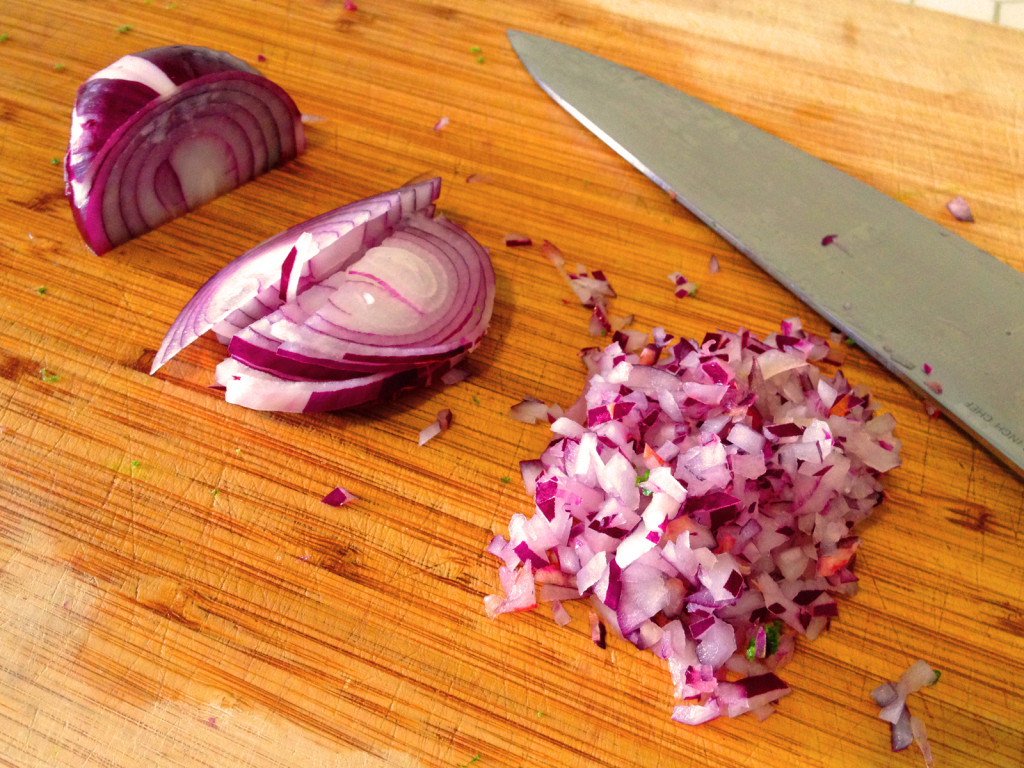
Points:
[[352, 306], [701, 498]]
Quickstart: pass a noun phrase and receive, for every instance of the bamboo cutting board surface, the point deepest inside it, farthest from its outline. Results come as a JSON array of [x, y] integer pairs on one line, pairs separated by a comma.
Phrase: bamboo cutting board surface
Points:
[[174, 593]]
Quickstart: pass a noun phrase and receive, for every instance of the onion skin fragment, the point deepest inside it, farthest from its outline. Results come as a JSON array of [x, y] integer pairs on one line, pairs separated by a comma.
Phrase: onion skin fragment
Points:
[[160, 132]]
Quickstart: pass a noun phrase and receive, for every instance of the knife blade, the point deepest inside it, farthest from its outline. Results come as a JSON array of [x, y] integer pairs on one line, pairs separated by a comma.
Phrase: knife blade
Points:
[[934, 309]]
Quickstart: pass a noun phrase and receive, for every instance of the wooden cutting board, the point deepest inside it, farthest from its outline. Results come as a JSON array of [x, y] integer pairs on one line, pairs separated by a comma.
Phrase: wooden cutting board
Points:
[[174, 593]]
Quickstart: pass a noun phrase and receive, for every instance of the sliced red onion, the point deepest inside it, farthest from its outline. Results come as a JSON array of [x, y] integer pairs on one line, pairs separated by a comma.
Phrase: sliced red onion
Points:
[[355, 305], [702, 497], [960, 209], [248, 288], [515, 239], [160, 132]]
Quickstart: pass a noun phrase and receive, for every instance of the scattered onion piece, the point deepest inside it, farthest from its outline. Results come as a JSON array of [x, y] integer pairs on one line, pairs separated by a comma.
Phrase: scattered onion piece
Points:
[[437, 426], [697, 495], [162, 131], [905, 729], [683, 287], [355, 305], [513, 239], [339, 497], [530, 410], [960, 209], [713, 266], [441, 124], [455, 375]]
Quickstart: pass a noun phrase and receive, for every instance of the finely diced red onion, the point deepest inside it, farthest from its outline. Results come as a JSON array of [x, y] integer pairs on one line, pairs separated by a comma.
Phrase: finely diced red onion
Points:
[[683, 287], [695, 494]]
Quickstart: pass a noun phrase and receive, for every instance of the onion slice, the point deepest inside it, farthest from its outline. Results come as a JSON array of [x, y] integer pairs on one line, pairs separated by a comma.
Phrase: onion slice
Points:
[[248, 288], [355, 305], [162, 131]]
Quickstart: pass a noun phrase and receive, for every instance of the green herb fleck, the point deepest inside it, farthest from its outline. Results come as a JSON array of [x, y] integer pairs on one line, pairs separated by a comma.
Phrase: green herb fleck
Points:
[[938, 674], [48, 375], [506, 479], [643, 478], [54, 161], [479, 59], [4, 37], [59, 67], [41, 290], [476, 400], [773, 632], [849, 342], [124, 28], [135, 463], [472, 760], [215, 491], [475, 49]]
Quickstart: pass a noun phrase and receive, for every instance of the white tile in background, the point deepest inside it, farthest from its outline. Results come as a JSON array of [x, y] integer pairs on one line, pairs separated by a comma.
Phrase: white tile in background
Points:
[[981, 10], [1011, 14]]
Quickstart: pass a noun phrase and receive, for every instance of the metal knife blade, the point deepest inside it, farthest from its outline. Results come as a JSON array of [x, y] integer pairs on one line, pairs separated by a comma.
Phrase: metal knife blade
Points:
[[911, 293]]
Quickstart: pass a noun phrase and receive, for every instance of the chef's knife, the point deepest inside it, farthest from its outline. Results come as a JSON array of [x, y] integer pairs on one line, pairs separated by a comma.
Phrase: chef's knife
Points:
[[934, 309]]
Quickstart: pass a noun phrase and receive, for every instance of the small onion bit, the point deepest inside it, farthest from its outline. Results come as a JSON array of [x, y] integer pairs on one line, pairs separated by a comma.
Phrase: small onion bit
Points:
[[441, 422], [960, 209], [355, 305], [162, 131], [339, 497], [701, 498], [905, 729]]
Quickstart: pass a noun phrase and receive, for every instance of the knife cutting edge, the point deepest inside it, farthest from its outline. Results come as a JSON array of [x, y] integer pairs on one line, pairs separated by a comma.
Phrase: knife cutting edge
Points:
[[936, 310]]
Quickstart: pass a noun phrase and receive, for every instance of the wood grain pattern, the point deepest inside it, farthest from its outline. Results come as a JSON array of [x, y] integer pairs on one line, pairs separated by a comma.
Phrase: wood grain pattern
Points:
[[174, 593]]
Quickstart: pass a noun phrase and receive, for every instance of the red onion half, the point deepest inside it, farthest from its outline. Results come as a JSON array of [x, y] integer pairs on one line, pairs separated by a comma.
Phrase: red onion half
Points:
[[160, 132], [701, 497], [352, 306]]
